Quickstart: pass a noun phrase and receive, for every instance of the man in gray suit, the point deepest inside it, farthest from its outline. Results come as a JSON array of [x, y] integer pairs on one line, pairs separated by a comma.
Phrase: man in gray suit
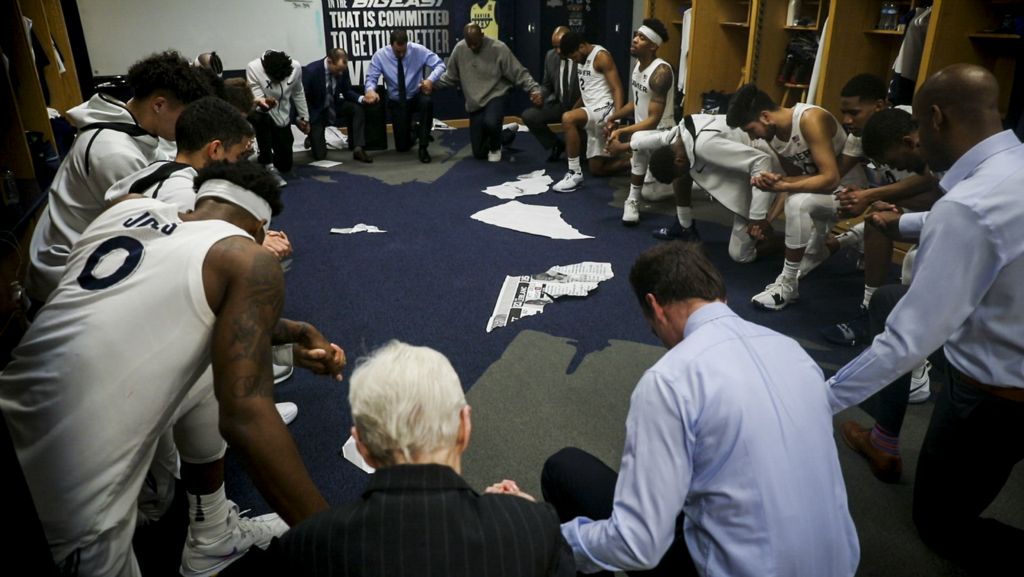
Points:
[[560, 88]]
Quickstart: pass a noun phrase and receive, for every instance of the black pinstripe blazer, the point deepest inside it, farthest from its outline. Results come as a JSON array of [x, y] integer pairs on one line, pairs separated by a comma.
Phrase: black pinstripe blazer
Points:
[[424, 520]]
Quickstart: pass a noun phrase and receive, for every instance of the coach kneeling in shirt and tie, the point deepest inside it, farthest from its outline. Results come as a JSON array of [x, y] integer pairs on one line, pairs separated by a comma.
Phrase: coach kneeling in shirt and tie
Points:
[[560, 88], [729, 467], [331, 99], [401, 64]]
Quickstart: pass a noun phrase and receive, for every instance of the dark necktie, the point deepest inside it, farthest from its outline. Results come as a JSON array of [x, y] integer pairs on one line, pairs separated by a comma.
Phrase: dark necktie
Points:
[[566, 86], [330, 99], [401, 82]]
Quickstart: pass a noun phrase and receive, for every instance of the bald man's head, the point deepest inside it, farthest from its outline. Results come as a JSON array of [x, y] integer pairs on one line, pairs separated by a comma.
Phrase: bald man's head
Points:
[[970, 90], [556, 37], [474, 36], [956, 108]]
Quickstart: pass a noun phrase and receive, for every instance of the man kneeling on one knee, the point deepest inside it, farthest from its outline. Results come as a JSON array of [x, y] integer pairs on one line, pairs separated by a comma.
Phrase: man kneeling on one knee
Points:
[[729, 465]]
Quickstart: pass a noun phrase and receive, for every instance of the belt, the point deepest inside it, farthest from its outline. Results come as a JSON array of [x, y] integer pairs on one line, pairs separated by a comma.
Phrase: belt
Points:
[[1009, 393]]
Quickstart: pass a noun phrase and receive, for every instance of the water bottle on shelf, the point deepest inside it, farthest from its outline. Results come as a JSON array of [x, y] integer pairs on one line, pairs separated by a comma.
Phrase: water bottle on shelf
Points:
[[888, 17], [793, 13]]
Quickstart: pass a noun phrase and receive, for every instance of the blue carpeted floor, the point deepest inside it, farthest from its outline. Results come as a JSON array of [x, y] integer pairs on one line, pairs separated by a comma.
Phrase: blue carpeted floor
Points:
[[433, 278]]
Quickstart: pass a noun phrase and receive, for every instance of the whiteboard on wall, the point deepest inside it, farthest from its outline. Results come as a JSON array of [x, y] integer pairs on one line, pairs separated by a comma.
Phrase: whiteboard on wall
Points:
[[118, 33]]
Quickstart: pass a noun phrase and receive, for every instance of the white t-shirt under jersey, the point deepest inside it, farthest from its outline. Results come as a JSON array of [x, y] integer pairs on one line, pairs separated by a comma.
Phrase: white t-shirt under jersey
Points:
[[101, 371], [594, 88], [641, 84]]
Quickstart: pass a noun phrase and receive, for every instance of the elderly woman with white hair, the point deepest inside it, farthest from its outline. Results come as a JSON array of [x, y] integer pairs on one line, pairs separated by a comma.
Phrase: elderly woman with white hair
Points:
[[417, 516]]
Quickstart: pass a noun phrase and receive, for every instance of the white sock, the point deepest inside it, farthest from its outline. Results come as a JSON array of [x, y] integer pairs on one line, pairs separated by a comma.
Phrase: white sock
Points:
[[208, 515], [574, 165], [634, 191], [790, 270], [685, 216], [868, 291]]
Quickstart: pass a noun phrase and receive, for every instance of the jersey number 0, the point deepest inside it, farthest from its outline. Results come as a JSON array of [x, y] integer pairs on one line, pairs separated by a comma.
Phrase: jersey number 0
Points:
[[89, 281]]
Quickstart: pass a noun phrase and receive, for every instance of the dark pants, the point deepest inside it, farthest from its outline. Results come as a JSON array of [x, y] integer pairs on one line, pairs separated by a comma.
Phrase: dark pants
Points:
[[401, 120], [973, 442], [537, 120], [275, 142], [485, 127], [577, 483], [893, 399], [349, 114]]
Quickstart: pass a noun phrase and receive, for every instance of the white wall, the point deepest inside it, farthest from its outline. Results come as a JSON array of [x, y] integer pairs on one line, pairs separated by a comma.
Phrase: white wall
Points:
[[118, 33]]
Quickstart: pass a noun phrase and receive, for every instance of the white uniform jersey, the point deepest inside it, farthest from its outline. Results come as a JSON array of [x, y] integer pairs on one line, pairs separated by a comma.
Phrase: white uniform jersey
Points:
[[796, 151], [594, 88], [97, 159], [175, 189], [103, 368], [641, 84]]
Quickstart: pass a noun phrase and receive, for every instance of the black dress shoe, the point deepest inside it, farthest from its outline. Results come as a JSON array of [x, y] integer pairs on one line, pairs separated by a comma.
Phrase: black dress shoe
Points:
[[556, 152], [360, 155], [424, 155]]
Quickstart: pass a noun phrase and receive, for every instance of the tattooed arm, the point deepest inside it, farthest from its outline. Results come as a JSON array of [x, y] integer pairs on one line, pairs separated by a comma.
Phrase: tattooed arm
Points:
[[245, 289], [310, 348], [661, 82]]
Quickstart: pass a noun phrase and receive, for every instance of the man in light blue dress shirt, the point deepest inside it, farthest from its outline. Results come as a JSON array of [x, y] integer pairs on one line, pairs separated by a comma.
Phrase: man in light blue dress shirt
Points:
[[408, 92], [729, 451], [975, 314]]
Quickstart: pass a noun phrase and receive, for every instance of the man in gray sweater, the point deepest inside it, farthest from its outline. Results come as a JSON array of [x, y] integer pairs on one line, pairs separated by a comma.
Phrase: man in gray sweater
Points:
[[486, 70]]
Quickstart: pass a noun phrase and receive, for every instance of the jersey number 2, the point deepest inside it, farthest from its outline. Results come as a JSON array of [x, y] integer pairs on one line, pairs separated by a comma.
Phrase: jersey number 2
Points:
[[89, 281]]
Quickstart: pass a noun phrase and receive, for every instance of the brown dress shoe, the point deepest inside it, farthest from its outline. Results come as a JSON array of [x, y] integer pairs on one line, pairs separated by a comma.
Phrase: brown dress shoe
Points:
[[885, 467]]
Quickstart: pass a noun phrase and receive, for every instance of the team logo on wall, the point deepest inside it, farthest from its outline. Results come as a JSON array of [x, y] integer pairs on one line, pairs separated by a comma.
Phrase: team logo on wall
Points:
[[484, 17]]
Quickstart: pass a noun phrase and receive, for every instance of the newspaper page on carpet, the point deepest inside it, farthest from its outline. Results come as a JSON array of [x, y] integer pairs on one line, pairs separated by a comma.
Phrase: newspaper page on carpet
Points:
[[526, 295]]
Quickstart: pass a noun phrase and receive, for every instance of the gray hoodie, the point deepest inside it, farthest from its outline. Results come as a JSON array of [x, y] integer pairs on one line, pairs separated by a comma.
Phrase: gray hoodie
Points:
[[97, 160]]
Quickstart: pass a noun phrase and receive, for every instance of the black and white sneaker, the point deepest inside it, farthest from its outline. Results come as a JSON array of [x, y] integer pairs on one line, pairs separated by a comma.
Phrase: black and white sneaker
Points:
[[677, 232], [920, 389], [777, 295], [851, 333]]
